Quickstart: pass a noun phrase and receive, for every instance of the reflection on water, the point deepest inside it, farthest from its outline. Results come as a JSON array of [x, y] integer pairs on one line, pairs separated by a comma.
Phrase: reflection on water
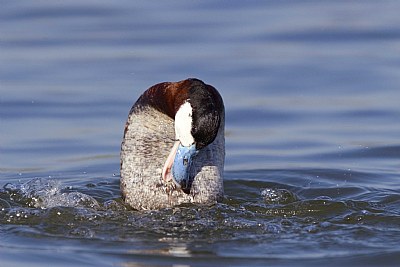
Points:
[[312, 151], [175, 250]]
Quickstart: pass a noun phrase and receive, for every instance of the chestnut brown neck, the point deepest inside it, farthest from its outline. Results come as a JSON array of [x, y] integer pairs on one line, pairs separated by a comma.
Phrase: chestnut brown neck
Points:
[[166, 97]]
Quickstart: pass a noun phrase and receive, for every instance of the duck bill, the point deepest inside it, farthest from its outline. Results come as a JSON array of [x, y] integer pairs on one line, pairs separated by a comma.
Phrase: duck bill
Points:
[[181, 167], [177, 166]]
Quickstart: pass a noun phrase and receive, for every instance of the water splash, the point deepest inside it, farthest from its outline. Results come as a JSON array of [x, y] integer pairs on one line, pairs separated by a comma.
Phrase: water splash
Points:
[[278, 196], [47, 193], [252, 213]]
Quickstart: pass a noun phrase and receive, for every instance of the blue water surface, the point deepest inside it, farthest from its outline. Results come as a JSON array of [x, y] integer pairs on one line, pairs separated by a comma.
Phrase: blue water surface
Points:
[[311, 90]]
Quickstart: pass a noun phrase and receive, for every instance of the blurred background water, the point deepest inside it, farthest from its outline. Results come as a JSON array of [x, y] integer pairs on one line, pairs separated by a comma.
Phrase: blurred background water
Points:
[[311, 90]]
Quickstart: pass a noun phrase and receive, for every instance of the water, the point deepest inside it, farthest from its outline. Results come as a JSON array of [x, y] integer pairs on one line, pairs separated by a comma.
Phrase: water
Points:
[[311, 91]]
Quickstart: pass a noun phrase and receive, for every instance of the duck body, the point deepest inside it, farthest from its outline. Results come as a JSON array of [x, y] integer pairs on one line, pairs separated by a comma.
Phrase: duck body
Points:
[[167, 119]]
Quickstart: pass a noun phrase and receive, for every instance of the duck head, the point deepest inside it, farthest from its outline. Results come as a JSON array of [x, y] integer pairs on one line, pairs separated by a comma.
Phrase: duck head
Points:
[[197, 118]]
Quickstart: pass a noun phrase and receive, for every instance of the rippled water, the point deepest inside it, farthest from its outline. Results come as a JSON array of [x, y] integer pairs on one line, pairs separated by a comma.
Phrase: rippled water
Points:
[[311, 91]]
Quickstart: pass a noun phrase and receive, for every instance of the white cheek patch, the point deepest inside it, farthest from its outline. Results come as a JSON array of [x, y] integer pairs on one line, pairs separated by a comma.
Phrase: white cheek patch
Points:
[[183, 124]]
